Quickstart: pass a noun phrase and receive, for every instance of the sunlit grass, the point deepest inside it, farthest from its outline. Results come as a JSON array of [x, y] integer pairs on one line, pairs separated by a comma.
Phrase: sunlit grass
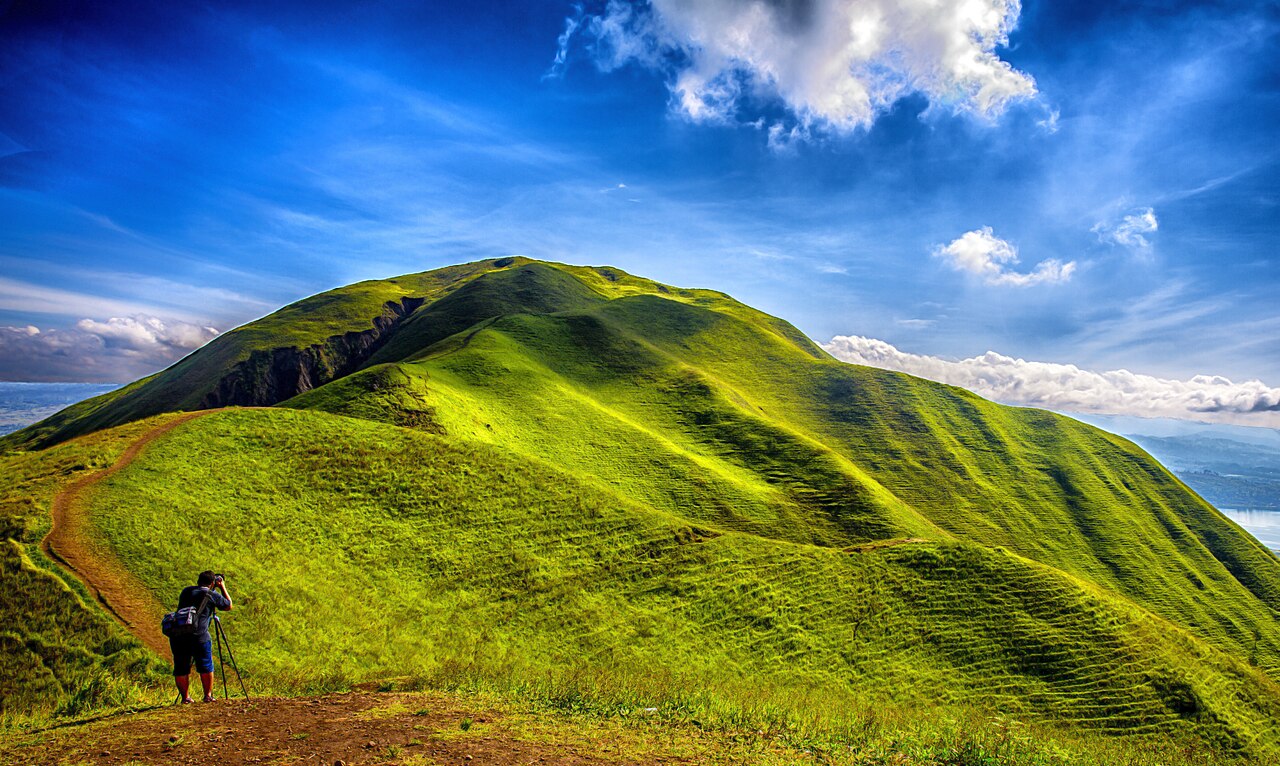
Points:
[[359, 551]]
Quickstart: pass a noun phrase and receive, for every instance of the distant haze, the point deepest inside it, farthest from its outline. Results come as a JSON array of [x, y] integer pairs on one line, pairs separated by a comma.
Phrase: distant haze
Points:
[[1235, 468], [22, 404], [1168, 427]]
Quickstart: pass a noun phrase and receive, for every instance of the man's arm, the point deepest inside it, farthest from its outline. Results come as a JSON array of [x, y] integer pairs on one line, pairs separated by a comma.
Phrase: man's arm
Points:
[[221, 585]]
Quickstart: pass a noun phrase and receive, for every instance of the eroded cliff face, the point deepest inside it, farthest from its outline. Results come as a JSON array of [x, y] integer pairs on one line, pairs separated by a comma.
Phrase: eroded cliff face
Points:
[[271, 377]]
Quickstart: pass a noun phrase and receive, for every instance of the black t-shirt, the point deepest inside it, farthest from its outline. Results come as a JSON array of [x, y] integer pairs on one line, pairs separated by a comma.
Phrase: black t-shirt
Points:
[[192, 595]]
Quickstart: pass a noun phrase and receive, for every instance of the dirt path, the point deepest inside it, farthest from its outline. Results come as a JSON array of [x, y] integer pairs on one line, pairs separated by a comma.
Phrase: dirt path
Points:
[[879, 545], [70, 544], [354, 728]]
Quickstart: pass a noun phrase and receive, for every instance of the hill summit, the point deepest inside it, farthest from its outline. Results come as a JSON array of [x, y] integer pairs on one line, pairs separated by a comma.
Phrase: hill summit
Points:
[[528, 467]]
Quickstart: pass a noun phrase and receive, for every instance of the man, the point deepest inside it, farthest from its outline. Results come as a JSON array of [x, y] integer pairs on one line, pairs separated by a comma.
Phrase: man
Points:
[[208, 595]]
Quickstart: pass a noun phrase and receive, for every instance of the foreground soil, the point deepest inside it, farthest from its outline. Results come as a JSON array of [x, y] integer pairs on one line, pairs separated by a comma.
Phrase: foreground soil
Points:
[[361, 728]]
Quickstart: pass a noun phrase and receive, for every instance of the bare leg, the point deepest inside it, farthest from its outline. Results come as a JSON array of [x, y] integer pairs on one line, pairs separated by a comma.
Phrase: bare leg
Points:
[[184, 686], [206, 680]]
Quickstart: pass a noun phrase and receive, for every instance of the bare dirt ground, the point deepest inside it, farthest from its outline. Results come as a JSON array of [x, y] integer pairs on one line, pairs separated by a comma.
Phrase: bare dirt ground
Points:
[[68, 544], [878, 545], [355, 728]]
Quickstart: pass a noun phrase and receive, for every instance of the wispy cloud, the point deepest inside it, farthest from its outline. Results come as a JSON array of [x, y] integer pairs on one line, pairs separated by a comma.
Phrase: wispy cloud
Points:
[[1130, 230], [1160, 319], [137, 294], [1050, 122], [982, 253], [834, 65], [30, 298], [561, 60], [1213, 183], [458, 126], [1070, 388]]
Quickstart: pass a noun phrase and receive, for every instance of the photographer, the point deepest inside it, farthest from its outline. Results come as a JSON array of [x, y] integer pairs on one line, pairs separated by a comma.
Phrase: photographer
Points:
[[206, 596]]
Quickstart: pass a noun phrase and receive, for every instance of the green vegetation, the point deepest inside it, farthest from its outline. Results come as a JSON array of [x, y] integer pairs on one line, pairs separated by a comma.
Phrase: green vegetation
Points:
[[59, 652], [550, 477], [710, 413], [489, 568]]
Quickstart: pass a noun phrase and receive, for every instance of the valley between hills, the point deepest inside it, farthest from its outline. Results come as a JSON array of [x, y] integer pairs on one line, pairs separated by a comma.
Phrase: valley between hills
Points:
[[606, 510]]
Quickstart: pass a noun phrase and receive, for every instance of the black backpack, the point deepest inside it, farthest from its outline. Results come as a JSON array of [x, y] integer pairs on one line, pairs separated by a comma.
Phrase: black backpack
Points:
[[185, 621]]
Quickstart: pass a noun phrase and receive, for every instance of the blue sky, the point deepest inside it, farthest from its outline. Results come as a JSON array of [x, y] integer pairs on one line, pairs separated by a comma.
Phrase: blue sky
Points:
[[171, 167]]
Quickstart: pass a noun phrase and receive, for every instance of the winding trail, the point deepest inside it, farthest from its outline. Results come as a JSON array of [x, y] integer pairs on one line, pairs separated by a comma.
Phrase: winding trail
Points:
[[69, 543], [879, 545]]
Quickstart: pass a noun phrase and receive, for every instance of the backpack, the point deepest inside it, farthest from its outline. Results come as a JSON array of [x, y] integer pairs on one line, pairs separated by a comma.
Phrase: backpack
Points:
[[185, 621]]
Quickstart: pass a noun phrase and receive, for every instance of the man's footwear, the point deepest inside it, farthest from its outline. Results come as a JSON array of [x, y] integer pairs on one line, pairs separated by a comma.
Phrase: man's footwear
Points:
[[187, 700], [208, 698]]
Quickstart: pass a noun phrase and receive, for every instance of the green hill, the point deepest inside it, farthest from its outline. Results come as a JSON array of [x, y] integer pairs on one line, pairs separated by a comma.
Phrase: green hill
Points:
[[525, 470]]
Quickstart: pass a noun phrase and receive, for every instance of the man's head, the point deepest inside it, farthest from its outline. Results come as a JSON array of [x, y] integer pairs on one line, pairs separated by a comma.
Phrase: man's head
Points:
[[206, 578]]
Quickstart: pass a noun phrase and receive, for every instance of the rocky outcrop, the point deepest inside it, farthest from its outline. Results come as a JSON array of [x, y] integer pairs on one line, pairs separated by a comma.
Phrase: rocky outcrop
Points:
[[272, 376]]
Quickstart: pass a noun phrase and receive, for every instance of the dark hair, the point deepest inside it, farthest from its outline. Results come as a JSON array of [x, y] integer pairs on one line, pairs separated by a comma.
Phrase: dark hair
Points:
[[205, 579]]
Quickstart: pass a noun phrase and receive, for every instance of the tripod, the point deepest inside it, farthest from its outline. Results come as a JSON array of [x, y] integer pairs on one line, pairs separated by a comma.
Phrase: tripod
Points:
[[222, 665]]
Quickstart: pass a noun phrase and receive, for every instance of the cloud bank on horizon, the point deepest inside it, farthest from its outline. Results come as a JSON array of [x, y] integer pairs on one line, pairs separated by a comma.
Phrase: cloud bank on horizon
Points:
[[1066, 387], [117, 350], [834, 64]]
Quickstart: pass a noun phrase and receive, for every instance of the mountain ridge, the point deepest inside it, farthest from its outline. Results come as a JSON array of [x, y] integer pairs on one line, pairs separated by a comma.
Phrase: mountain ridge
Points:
[[315, 332]]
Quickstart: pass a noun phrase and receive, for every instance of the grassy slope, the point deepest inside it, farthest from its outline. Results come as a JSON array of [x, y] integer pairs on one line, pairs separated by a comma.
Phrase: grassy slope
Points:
[[703, 413], [58, 650], [359, 550]]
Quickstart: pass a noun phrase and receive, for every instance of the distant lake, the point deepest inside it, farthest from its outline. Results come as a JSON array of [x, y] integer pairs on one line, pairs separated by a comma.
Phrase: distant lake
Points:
[[1264, 525]]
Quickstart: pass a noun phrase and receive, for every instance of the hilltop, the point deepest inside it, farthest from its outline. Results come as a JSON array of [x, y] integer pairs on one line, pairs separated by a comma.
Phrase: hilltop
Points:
[[513, 470]]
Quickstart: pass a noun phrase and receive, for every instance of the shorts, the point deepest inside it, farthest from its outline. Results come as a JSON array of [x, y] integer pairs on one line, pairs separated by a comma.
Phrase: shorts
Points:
[[190, 648]]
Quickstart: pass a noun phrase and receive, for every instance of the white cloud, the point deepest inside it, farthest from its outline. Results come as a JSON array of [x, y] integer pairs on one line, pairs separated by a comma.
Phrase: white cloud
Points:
[[1067, 387], [623, 34], [1130, 231], [982, 253], [117, 350], [145, 334], [1050, 123], [833, 63], [562, 46]]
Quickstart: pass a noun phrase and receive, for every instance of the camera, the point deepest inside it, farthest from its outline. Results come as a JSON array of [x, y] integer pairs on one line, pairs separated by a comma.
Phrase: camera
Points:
[[218, 578]]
